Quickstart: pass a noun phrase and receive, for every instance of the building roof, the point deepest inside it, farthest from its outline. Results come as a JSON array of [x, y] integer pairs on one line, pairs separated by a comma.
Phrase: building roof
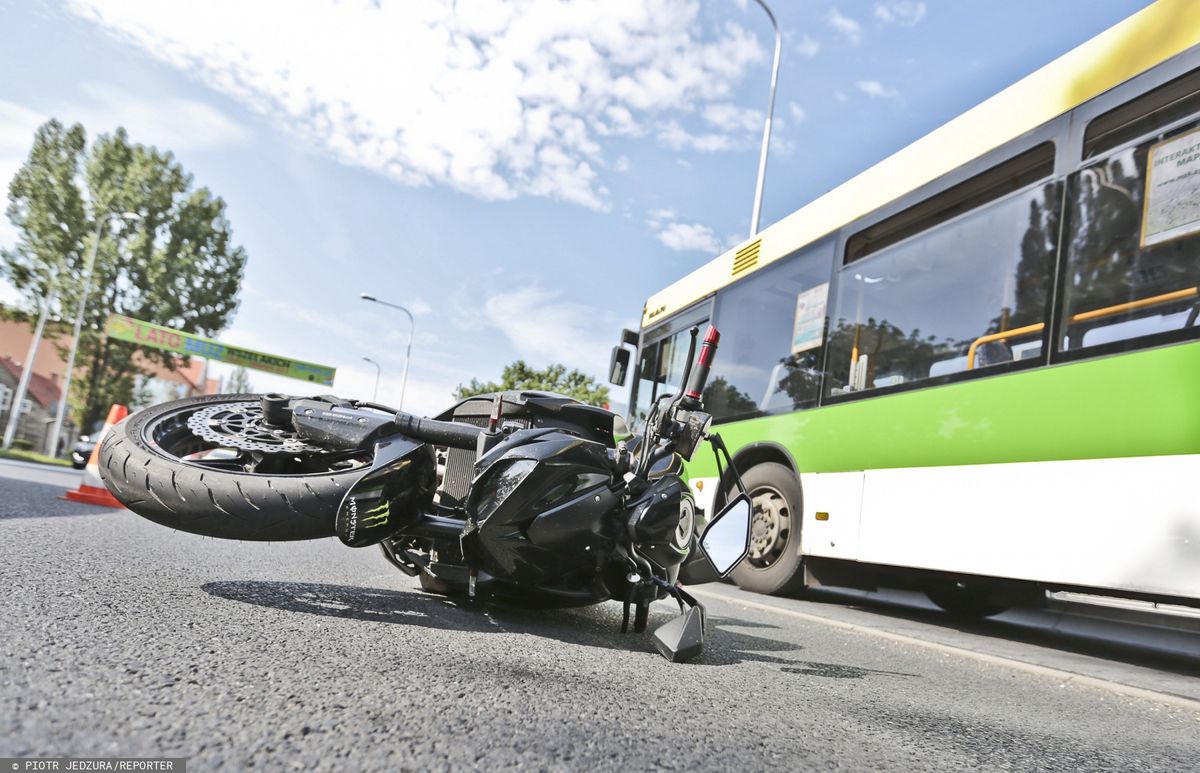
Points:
[[44, 391]]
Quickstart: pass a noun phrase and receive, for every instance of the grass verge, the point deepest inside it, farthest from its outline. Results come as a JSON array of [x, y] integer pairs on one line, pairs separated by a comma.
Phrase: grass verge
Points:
[[30, 456]]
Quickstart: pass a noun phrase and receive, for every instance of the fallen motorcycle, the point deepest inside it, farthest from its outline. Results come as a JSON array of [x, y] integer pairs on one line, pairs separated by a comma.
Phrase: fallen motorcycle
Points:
[[521, 497]]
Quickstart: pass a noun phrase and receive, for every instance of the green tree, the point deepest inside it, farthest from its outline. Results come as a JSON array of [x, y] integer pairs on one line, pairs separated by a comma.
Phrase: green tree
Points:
[[555, 378], [239, 382], [727, 401], [175, 264]]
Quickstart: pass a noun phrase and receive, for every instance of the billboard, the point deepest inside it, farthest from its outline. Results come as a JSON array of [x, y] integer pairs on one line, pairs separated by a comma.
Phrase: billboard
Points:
[[135, 331]]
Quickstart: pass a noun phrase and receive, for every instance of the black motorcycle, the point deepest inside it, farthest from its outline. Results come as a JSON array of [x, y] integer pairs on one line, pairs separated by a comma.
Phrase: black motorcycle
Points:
[[521, 497]]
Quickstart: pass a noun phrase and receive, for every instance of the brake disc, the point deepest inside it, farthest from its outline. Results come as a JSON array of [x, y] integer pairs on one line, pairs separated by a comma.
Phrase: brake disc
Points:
[[241, 425]]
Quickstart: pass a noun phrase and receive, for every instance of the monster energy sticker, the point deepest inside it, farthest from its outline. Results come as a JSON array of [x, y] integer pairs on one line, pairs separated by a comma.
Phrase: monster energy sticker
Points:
[[1172, 206], [377, 516]]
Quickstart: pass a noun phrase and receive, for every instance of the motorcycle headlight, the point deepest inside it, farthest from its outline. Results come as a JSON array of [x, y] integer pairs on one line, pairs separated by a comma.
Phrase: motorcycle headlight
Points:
[[500, 484]]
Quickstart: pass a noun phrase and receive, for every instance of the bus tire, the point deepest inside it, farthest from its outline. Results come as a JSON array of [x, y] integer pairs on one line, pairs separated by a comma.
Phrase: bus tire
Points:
[[775, 565]]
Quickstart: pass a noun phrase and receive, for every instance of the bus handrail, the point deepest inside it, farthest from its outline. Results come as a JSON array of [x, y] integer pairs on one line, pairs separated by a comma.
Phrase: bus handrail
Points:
[[1001, 336], [1083, 316]]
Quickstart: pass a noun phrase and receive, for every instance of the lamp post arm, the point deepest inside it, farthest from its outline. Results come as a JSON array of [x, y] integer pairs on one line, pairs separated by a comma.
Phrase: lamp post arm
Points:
[[412, 327]]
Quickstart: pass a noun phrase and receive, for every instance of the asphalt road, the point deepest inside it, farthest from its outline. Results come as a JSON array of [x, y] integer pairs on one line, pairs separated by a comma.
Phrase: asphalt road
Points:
[[124, 638]]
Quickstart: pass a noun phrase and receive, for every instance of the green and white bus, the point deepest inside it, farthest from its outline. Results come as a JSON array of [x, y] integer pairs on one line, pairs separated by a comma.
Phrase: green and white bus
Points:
[[974, 369]]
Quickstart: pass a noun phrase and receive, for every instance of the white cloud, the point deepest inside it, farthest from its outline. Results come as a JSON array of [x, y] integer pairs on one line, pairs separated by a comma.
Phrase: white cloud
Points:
[[690, 237], [797, 112], [498, 99], [876, 89], [906, 13], [733, 118], [171, 123], [682, 237], [544, 328], [808, 47], [676, 137], [847, 26]]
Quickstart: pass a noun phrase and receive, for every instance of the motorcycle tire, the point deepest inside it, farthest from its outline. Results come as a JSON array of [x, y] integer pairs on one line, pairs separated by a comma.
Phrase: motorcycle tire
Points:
[[191, 497], [775, 492]]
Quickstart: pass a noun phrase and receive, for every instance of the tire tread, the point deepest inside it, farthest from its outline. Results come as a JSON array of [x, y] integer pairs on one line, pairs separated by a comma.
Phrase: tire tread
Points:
[[216, 503]]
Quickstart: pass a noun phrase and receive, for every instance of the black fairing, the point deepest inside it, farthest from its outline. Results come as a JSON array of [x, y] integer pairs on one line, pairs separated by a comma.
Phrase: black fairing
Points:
[[541, 506], [394, 494], [661, 522]]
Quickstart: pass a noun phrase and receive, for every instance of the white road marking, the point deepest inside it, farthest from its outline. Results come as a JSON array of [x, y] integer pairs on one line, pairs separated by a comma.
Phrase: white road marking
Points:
[[1179, 701]]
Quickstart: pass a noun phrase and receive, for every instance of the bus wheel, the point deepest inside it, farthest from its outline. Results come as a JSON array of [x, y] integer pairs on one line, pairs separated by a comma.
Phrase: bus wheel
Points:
[[965, 600], [774, 563]]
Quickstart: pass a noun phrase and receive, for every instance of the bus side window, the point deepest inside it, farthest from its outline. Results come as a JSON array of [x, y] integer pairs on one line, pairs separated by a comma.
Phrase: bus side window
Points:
[[1132, 243], [966, 294]]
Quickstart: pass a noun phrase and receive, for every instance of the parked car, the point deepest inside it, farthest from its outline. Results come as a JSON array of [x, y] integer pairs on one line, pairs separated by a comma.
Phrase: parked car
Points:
[[82, 451]]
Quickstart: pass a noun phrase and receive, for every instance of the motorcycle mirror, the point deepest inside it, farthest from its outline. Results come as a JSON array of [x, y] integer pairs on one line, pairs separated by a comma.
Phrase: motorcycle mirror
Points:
[[726, 541], [681, 639], [618, 366]]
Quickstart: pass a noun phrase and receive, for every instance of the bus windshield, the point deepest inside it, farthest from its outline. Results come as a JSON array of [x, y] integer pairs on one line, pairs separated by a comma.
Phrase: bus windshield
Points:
[[660, 368]]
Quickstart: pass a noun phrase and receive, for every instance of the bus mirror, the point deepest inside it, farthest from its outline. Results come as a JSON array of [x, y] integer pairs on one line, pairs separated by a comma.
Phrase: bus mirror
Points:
[[629, 337], [618, 366]]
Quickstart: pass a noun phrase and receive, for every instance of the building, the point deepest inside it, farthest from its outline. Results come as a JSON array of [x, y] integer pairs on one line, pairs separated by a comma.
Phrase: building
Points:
[[38, 409], [156, 384]]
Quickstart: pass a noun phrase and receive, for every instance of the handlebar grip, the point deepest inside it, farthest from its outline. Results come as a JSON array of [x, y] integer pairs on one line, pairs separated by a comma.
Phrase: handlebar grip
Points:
[[445, 433], [708, 350]]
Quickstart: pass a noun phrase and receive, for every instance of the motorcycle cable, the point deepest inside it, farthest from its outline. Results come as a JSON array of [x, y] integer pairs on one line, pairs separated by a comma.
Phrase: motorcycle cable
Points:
[[718, 446]]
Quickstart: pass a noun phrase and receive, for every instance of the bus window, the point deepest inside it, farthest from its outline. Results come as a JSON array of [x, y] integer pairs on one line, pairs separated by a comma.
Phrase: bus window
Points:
[[1133, 246], [772, 337], [964, 295]]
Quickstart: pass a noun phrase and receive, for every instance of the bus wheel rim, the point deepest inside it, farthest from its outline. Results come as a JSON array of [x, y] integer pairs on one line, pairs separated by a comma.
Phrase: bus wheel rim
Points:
[[770, 524]]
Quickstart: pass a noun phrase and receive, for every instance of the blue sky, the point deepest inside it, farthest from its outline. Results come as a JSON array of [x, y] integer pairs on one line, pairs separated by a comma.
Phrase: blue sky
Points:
[[521, 175]]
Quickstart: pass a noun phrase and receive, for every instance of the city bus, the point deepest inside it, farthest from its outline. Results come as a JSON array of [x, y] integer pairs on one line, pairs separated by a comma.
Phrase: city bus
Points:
[[974, 369]]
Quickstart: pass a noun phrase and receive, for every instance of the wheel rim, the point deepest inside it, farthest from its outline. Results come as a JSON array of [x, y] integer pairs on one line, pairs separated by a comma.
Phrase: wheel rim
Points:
[[770, 527], [207, 435]]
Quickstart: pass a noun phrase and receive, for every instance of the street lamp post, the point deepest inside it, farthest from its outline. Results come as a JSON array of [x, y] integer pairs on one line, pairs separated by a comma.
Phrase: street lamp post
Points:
[[60, 415], [412, 326], [756, 214], [378, 370]]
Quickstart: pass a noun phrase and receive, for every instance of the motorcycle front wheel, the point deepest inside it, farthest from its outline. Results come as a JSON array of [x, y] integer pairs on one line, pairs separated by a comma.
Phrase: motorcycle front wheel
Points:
[[208, 465]]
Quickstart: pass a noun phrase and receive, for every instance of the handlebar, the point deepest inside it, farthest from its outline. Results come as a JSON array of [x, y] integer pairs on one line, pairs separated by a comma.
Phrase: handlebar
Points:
[[699, 378], [443, 433]]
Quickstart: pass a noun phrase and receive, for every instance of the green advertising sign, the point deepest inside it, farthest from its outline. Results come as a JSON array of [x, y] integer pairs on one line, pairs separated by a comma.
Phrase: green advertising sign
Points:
[[158, 337]]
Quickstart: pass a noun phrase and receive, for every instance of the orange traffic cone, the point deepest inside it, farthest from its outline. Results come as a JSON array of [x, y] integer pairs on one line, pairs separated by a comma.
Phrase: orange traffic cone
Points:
[[92, 490]]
